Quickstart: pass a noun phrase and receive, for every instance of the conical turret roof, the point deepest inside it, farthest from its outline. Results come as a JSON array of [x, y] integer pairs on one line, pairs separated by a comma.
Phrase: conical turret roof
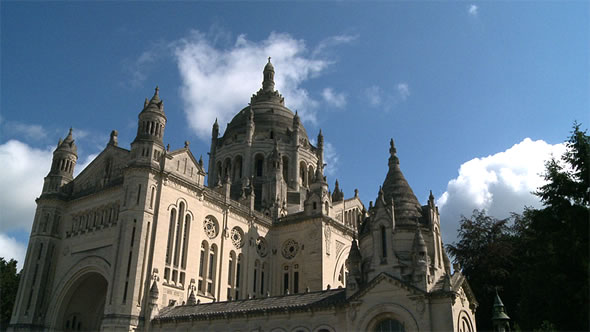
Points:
[[67, 144], [155, 104], [406, 205]]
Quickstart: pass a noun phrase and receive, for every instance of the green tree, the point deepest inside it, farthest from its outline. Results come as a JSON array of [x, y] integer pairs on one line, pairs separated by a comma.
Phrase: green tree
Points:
[[540, 258], [486, 253], [553, 244], [9, 279]]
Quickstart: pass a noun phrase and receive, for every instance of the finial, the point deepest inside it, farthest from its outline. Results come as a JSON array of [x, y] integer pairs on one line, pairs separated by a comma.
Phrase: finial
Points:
[[356, 192], [392, 149], [168, 147], [157, 90], [268, 59], [70, 131], [201, 160], [186, 144]]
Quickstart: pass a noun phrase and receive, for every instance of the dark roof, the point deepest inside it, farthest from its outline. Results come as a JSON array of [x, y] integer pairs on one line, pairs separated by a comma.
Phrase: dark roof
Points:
[[302, 301], [406, 205]]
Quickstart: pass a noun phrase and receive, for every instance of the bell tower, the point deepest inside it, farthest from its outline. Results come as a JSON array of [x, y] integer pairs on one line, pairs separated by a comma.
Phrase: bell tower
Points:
[[65, 157], [147, 148]]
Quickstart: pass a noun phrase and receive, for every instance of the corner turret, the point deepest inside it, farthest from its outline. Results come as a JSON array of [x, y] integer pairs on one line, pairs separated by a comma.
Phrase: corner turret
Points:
[[64, 161], [147, 148]]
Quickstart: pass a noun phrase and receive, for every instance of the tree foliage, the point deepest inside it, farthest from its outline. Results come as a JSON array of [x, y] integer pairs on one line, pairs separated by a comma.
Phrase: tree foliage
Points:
[[543, 269], [9, 279]]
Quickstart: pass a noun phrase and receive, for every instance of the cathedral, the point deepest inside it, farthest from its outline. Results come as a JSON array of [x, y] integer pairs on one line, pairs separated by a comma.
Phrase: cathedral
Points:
[[152, 239]]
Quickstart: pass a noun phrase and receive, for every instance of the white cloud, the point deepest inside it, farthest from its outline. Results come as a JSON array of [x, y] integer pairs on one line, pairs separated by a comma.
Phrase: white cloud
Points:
[[217, 82], [387, 99], [501, 183], [10, 248], [403, 91], [28, 131], [335, 99], [137, 70], [374, 95], [23, 170], [472, 10]]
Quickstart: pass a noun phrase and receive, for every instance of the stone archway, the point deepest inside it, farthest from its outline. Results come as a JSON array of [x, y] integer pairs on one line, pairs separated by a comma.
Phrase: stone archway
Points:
[[82, 307]]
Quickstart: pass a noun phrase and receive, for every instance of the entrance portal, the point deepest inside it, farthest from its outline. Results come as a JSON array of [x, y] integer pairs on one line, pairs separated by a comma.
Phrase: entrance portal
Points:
[[83, 306]]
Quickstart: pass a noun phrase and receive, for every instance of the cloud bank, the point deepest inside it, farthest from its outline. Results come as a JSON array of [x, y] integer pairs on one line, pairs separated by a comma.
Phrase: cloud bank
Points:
[[501, 183], [217, 82], [24, 168]]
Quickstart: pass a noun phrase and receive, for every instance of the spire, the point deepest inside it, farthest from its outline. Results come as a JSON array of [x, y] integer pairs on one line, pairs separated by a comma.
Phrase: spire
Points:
[[67, 144], [192, 300], [500, 319], [155, 104], [215, 130], [268, 83], [396, 188], [337, 195], [320, 139]]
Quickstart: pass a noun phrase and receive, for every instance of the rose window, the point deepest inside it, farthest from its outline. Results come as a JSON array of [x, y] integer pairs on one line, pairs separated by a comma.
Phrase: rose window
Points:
[[261, 247], [210, 226], [237, 237], [290, 248]]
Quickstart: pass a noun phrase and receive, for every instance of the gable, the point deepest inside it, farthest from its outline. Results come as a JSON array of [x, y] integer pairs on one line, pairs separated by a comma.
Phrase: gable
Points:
[[105, 170], [183, 164]]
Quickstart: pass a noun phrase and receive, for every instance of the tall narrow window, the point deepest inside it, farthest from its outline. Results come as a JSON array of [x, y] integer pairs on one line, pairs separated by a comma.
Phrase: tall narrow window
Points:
[[138, 194], [295, 282], [255, 280], [230, 275], [262, 278], [170, 236], [285, 279], [152, 198], [187, 226], [202, 267], [179, 224], [259, 165], [286, 169], [383, 242], [211, 271], [238, 276]]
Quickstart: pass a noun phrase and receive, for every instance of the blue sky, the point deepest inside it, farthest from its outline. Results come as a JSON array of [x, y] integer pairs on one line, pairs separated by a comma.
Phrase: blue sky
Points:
[[475, 94]]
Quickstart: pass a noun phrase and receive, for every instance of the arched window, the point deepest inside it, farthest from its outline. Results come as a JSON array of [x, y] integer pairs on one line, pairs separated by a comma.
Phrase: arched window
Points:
[[179, 224], [202, 266], [303, 173], [237, 168], [211, 270], [310, 175], [231, 275], [255, 280], [259, 164], [219, 169], [187, 226], [226, 168], [389, 325], [238, 276], [170, 235], [262, 273], [286, 169], [383, 242]]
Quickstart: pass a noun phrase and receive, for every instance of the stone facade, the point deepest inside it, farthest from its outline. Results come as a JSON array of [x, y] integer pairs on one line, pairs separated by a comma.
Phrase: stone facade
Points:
[[141, 241]]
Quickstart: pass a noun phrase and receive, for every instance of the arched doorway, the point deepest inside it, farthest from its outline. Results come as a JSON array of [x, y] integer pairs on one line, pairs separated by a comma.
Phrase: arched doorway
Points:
[[83, 306]]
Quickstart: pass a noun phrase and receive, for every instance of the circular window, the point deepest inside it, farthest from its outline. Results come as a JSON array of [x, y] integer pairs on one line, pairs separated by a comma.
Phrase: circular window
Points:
[[237, 237], [211, 227], [261, 247], [290, 248]]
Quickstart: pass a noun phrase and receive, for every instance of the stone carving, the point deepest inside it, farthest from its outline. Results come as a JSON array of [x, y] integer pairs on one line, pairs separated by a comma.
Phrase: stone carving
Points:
[[339, 246], [261, 247], [290, 249], [211, 227], [328, 237], [237, 237]]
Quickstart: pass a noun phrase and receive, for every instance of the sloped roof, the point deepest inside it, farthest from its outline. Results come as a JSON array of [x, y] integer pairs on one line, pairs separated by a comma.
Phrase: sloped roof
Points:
[[302, 301]]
